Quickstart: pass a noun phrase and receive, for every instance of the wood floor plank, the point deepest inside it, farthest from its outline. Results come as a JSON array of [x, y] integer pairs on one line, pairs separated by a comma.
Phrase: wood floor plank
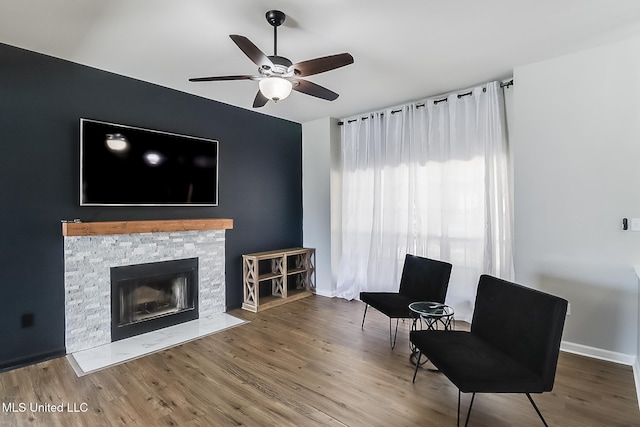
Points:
[[305, 363]]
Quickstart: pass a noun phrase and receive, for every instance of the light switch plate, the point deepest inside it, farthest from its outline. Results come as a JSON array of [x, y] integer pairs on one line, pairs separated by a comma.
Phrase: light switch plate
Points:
[[635, 224]]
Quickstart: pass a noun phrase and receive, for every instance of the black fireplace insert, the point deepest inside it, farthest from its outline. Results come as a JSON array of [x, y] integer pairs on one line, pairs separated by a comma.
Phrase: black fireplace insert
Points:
[[152, 296]]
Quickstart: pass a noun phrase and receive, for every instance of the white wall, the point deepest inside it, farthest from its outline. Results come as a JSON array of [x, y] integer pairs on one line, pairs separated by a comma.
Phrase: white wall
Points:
[[320, 163], [575, 138]]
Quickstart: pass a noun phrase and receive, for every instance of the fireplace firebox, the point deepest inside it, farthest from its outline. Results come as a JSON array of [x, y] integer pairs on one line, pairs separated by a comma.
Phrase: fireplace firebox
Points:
[[147, 297]]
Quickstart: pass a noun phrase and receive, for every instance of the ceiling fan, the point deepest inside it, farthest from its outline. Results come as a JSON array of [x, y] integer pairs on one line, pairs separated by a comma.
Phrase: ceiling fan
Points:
[[277, 75]]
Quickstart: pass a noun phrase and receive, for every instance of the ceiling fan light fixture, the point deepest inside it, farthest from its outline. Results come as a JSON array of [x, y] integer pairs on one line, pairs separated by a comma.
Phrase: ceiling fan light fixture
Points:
[[275, 88]]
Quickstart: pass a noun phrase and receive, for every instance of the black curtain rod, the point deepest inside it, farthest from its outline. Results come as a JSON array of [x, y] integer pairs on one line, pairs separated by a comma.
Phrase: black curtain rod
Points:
[[437, 101]]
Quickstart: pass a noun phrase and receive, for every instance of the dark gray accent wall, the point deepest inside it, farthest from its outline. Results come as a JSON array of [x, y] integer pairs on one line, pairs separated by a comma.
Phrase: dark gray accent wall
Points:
[[41, 102]]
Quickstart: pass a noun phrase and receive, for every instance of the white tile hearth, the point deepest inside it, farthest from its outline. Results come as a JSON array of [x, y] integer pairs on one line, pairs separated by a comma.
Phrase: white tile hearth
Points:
[[87, 361]]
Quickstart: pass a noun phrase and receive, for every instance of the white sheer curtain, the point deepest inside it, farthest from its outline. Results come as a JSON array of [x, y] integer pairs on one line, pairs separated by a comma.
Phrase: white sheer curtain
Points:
[[429, 179]]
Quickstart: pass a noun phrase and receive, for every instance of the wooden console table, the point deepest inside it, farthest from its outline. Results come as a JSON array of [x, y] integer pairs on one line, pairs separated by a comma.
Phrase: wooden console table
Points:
[[290, 271]]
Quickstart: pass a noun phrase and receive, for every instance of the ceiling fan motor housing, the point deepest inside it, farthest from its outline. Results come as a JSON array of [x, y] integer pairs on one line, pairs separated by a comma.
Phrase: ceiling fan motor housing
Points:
[[280, 67]]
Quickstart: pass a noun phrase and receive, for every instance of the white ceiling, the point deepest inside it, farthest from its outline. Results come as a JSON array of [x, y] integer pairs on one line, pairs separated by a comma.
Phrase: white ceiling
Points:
[[404, 50]]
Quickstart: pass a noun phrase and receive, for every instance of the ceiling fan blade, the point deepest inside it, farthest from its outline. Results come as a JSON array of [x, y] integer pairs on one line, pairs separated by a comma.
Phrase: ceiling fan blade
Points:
[[260, 100], [221, 78], [252, 51], [313, 89], [320, 65]]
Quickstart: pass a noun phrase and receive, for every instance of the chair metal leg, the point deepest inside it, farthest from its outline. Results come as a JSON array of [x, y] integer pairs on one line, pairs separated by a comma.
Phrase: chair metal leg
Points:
[[537, 410], [364, 315], [473, 396], [471, 405], [458, 419], [415, 371], [392, 337]]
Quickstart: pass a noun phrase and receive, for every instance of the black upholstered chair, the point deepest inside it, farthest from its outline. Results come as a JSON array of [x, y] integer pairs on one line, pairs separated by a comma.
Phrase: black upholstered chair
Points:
[[423, 279], [512, 347]]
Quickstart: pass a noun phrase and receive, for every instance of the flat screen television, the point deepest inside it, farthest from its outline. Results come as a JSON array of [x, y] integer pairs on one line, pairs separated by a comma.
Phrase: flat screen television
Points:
[[130, 166]]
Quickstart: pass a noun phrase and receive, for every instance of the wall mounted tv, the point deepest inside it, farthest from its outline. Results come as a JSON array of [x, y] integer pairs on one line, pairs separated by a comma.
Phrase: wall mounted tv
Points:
[[129, 166]]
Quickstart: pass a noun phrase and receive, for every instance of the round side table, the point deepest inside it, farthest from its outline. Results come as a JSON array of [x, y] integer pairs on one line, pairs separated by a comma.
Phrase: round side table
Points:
[[430, 316]]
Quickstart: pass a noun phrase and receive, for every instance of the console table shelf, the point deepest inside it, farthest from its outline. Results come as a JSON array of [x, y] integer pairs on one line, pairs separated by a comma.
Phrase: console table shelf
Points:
[[290, 271]]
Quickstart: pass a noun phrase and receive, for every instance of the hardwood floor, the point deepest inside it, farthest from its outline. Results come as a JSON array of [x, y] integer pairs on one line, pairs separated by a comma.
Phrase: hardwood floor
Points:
[[305, 363]]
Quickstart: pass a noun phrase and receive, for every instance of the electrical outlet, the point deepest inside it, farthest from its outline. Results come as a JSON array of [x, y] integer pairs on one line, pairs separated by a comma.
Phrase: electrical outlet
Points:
[[568, 309], [27, 320]]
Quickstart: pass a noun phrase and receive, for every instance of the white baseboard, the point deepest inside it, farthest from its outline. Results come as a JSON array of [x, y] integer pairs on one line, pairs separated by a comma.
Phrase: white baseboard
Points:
[[324, 293], [598, 353]]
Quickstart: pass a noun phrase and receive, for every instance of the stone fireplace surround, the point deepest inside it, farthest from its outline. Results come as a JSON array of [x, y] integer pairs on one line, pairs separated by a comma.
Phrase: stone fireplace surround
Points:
[[91, 249]]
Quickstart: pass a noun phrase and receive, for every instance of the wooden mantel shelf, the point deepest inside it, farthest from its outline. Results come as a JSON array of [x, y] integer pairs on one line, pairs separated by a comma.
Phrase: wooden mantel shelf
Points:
[[131, 227]]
